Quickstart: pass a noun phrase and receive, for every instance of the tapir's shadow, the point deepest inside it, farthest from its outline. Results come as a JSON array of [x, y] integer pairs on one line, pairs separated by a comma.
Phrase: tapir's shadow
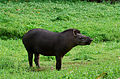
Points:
[[39, 69]]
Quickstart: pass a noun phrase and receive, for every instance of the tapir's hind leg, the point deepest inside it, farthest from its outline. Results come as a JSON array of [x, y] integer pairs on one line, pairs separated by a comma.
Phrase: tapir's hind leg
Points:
[[37, 59], [30, 55], [30, 58]]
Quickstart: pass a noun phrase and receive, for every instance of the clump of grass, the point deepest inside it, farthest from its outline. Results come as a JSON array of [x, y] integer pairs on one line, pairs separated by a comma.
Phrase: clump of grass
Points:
[[6, 63], [61, 18], [11, 33], [83, 57]]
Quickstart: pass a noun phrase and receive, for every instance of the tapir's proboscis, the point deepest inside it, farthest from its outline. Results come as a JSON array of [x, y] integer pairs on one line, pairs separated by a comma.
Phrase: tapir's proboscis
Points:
[[44, 42]]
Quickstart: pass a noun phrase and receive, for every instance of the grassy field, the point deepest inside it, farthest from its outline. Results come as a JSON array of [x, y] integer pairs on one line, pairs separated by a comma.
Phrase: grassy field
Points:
[[99, 21]]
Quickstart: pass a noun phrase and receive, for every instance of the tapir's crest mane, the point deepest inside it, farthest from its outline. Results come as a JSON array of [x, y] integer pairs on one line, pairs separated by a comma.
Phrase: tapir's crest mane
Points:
[[71, 30]]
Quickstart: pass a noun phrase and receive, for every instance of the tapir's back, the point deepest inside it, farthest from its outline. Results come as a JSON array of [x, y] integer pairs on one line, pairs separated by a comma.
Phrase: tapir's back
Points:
[[39, 38], [38, 32]]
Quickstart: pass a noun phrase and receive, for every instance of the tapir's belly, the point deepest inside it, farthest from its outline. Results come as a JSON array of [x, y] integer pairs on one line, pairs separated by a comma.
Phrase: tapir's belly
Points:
[[45, 51], [48, 53]]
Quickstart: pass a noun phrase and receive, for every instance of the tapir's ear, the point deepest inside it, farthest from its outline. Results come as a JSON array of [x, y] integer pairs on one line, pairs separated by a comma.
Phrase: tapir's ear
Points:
[[75, 32]]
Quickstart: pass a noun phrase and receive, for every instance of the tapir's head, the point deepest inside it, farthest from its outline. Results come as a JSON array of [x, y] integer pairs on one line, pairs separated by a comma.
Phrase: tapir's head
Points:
[[80, 39]]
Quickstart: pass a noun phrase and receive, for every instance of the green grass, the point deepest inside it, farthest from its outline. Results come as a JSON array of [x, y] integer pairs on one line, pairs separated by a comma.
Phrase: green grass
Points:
[[81, 62], [99, 21]]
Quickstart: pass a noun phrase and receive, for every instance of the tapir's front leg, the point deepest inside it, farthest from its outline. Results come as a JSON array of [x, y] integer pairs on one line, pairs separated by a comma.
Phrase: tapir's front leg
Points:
[[58, 62]]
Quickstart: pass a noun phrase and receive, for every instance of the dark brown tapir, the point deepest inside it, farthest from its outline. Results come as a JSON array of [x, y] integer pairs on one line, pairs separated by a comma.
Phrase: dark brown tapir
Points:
[[40, 41]]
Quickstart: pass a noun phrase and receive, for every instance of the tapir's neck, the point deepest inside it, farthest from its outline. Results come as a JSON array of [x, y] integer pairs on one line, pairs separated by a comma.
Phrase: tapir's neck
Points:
[[68, 41], [67, 49]]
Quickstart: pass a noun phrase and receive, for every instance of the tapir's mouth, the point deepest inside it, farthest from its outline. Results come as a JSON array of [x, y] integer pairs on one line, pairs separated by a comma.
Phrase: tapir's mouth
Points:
[[86, 43], [89, 42]]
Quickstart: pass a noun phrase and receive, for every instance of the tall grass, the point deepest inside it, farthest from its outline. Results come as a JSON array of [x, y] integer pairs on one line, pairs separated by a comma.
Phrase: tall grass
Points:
[[99, 21]]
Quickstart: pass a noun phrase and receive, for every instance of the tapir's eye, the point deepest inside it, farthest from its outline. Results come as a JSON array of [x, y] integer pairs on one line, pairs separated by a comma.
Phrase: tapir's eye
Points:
[[80, 37]]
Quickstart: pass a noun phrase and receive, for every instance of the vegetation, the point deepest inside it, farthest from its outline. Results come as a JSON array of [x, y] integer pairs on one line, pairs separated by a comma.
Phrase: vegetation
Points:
[[99, 21]]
